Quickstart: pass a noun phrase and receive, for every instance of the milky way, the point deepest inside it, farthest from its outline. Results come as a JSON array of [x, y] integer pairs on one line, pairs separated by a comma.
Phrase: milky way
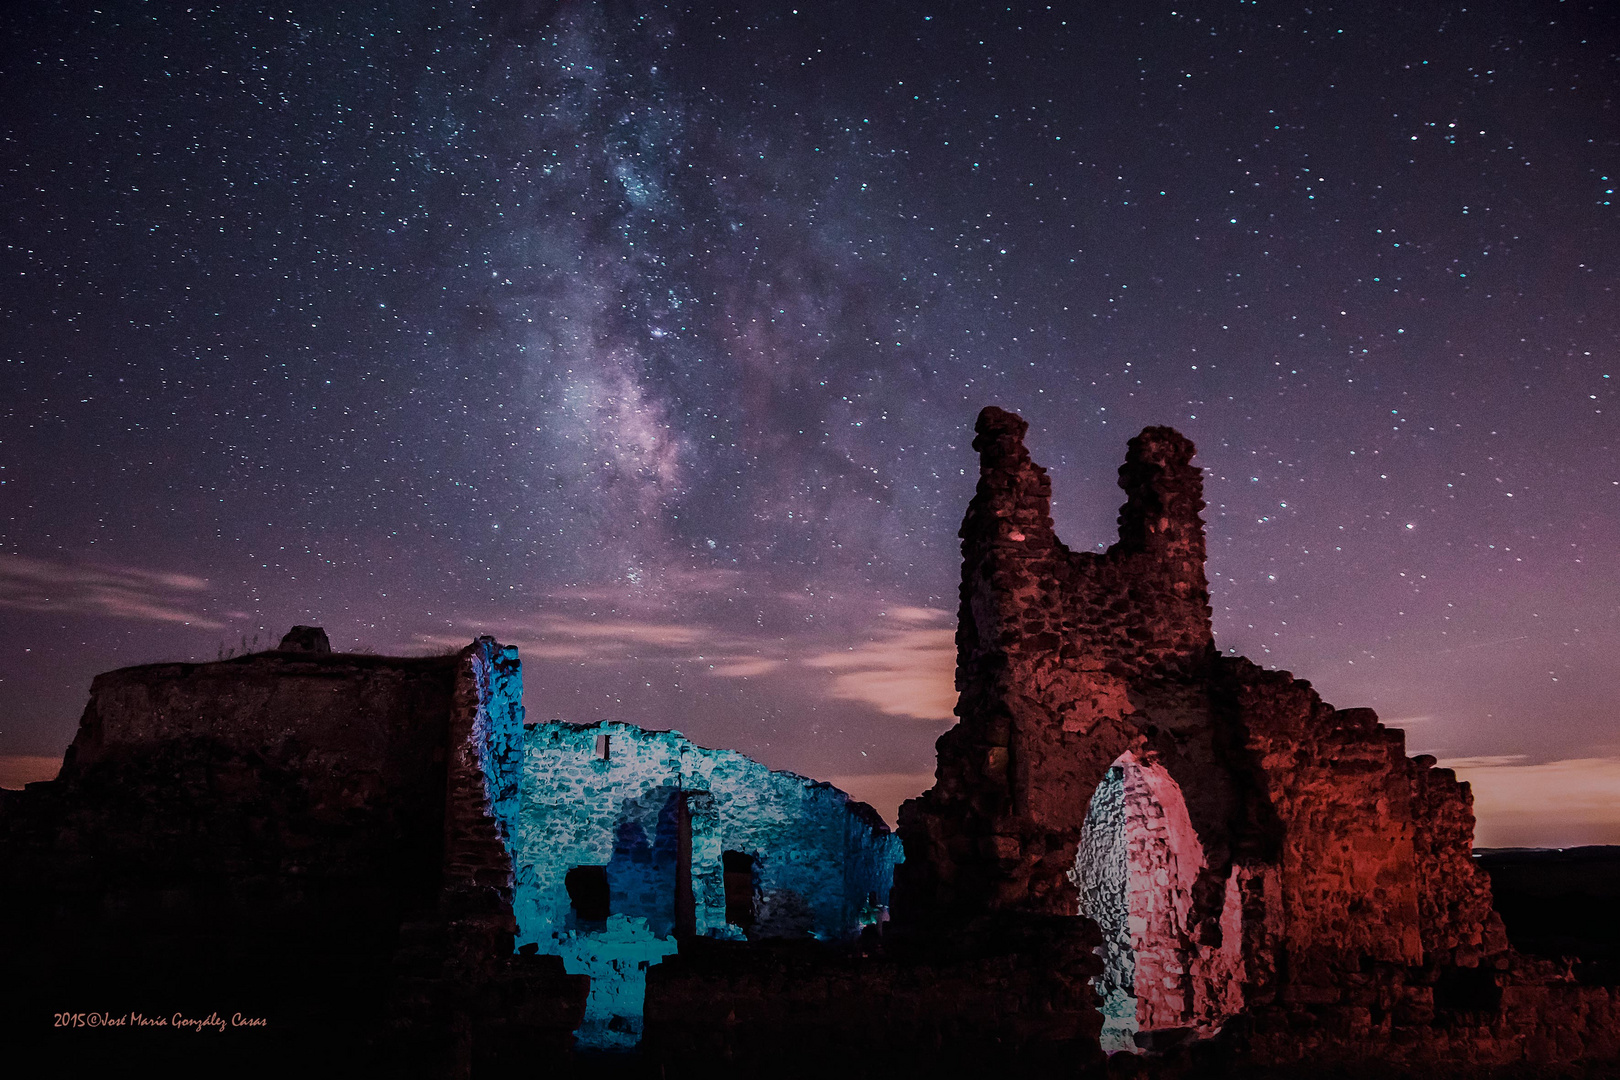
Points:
[[650, 339]]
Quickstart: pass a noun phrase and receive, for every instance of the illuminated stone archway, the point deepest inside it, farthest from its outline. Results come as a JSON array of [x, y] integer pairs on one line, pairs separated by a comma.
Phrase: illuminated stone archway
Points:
[[1137, 866]]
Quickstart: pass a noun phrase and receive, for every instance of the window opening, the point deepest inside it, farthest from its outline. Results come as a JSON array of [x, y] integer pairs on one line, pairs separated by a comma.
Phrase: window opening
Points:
[[588, 892], [739, 872], [601, 748]]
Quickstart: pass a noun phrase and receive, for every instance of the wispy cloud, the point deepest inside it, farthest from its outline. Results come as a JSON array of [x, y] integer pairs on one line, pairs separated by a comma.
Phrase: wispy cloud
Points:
[[119, 592], [743, 667], [1487, 761], [615, 639], [901, 664], [905, 670], [1549, 804]]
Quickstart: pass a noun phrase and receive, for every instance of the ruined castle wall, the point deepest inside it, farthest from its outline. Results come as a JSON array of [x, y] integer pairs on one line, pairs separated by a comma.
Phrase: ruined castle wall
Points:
[[1336, 783], [1139, 870], [657, 813], [817, 859], [353, 726], [1323, 848], [459, 981], [267, 787], [307, 834], [1454, 897], [1051, 647], [1102, 875]]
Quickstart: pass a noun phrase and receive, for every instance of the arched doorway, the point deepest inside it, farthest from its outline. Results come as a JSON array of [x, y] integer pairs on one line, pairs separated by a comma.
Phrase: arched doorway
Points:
[[1136, 869]]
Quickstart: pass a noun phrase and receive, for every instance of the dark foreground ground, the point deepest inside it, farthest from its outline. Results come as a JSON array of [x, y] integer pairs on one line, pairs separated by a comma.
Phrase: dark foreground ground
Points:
[[1561, 903], [1554, 904]]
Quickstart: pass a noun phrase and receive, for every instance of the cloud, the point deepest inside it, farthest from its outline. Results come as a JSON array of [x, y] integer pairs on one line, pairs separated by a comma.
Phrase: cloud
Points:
[[908, 670], [918, 614], [742, 667], [905, 667], [611, 641], [1565, 803], [1488, 761], [119, 592]]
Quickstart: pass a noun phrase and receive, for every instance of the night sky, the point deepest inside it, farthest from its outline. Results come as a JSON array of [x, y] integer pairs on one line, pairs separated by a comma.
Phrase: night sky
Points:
[[650, 339]]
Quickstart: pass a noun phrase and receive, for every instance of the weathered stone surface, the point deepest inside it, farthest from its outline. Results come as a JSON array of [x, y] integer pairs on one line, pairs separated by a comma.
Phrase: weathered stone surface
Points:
[[1054, 650], [304, 837], [657, 815], [471, 1001], [1261, 861]]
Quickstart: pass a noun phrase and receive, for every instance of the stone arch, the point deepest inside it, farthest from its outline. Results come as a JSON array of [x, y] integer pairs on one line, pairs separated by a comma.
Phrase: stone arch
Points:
[[1168, 973]]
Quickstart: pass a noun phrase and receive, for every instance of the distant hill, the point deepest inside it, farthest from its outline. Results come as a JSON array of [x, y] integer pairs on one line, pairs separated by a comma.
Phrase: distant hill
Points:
[[1560, 902]]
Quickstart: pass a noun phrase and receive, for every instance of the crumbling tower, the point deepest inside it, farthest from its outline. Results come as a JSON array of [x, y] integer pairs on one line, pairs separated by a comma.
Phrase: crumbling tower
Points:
[[1248, 843], [1050, 643]]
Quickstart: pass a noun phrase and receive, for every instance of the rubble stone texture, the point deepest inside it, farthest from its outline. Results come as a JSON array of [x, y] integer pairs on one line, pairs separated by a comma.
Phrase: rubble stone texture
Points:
[[1284, 864], [657, 813], [1138, 862], [297, 834]]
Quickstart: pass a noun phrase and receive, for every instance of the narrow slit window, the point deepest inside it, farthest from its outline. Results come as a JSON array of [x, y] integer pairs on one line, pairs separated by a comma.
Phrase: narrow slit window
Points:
[[601, 748], [739, 872]]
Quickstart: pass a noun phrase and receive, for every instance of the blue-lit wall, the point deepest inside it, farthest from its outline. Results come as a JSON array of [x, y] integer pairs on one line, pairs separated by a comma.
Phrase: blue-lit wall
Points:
[[820, 868]]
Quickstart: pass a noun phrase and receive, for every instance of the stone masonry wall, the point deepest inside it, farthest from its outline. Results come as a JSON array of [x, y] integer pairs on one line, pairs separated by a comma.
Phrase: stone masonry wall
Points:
[[1137, 870], [657, 813], [818, 856], [1050, 645], [1454, 897], [269, 834], [1336, 784], [1334, 879], [1102, 875], [219, 833], [1066, 661], [460, 983]]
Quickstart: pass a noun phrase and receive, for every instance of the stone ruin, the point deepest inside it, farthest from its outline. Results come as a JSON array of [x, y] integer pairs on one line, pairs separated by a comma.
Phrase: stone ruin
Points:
[[297, 835], [1134, 846], [680, 842], [395, 828], [1255, 859]]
